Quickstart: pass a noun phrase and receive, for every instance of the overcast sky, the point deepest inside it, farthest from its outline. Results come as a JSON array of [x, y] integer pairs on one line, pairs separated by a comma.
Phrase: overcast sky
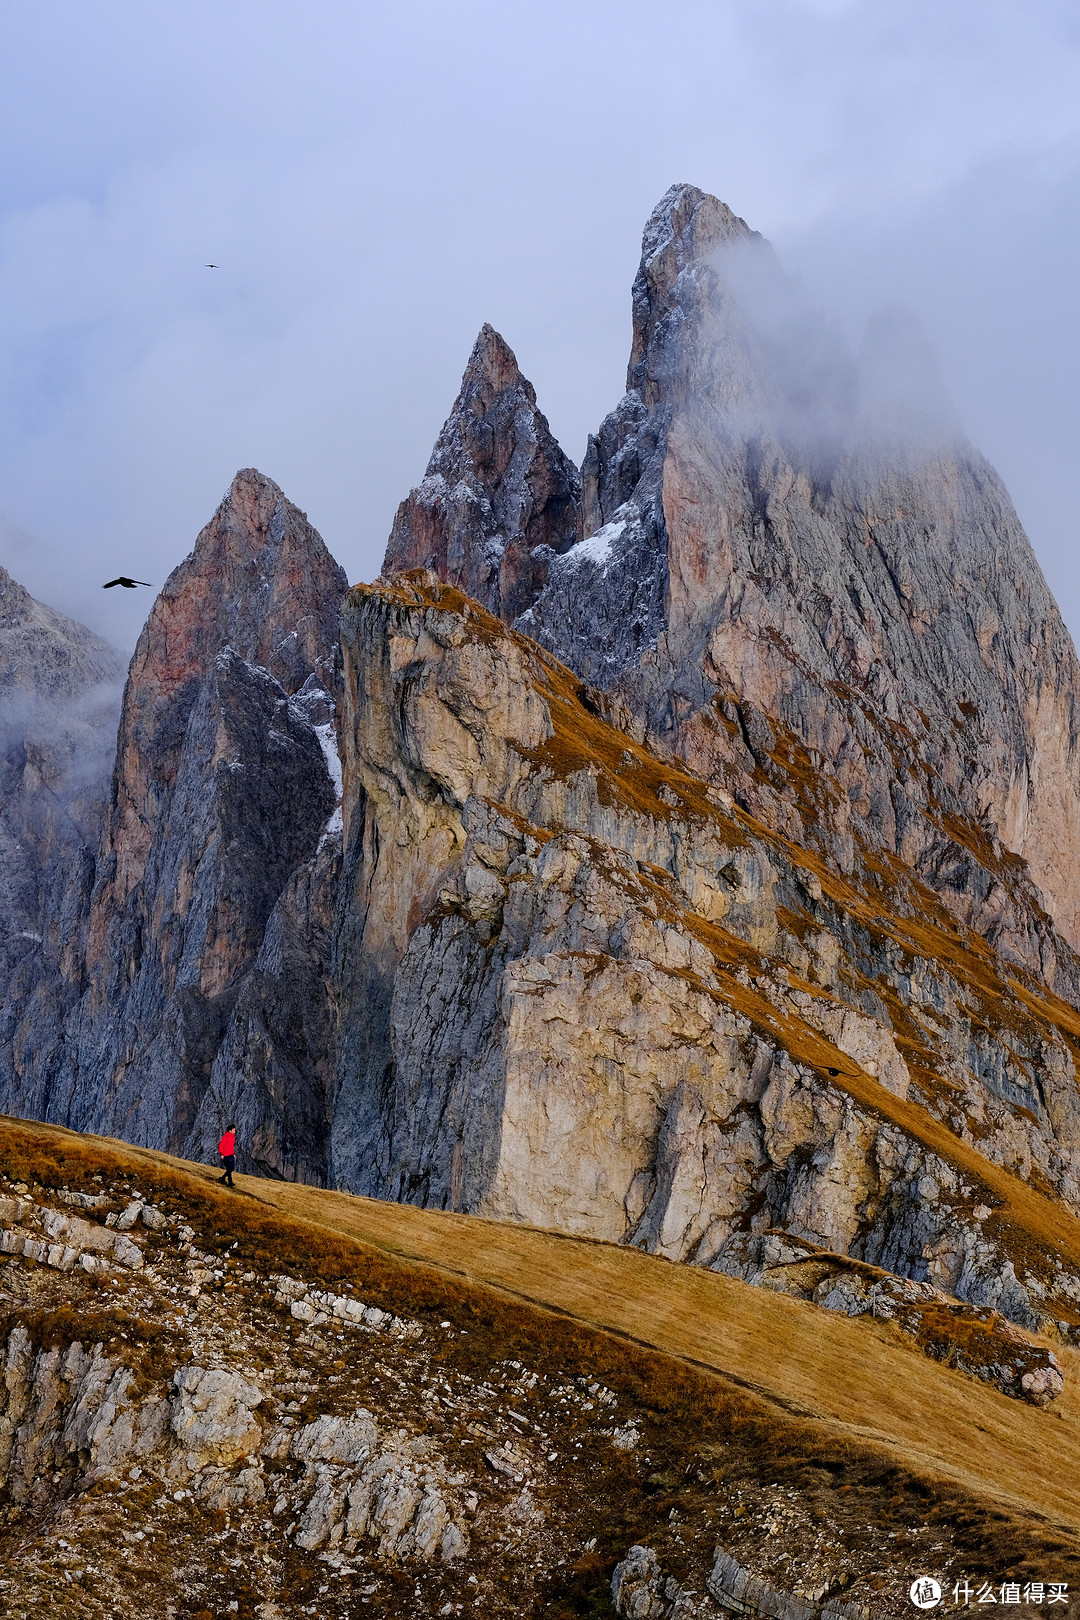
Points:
[[377, 180]]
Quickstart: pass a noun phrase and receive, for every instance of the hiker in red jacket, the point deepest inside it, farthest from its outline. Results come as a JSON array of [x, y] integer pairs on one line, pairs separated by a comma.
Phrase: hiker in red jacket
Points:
[[227, 1148]]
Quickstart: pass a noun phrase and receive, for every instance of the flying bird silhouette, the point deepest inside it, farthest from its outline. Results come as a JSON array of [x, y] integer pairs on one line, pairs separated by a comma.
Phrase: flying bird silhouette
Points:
[[122, 579], [211, 267]]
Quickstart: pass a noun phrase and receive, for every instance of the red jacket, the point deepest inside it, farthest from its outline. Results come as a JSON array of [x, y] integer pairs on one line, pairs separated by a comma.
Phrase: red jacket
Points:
[[227, 1145]]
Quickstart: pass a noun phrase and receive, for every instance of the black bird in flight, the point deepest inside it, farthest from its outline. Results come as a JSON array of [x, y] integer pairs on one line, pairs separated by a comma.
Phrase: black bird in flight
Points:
[[211, 267], [128, 584]]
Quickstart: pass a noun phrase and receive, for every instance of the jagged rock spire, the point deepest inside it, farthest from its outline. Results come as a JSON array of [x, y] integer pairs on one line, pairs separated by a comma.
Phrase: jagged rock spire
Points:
[[773, 523], [499, 496], [259, 580], [676, 281], [221, 792]]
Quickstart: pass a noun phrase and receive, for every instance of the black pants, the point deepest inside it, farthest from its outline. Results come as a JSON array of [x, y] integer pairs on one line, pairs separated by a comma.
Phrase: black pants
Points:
[[229, 1161]]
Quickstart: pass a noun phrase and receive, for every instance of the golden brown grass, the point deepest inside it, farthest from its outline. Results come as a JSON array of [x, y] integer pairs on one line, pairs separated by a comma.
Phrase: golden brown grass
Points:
[[858, 1378], [808, 1393]]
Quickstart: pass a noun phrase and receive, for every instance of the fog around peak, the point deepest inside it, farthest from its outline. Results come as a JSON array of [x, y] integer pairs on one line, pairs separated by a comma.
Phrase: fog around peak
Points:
[[902, 405], [804, 359], [792, 372]]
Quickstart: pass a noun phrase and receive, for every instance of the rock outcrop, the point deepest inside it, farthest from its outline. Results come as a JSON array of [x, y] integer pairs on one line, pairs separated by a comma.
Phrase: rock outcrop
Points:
[[218, 855], [796, 575], [206, 1431], [583, 988], [641, 1590], [499, 499], [59, 697], [980, 1342]]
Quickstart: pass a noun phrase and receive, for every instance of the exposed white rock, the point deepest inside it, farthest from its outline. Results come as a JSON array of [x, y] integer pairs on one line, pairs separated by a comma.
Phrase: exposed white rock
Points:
[[337, 1440], [86, 1238], [396, 1497], [316, 1306], [213, 1415], [58, 1404]]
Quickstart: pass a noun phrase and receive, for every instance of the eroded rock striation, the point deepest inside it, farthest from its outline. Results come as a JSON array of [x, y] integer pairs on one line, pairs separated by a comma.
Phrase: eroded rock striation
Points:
[[582, 987], [499, 500], [218, 855]]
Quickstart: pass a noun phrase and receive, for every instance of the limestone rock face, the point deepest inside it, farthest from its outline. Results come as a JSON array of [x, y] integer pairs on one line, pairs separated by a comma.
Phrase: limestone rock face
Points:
[[213, 1417], [273, 1074], [580, 986], [59, 698], [55, 1403], [223, 791], [797, 575], [248, 803], [499, 498]]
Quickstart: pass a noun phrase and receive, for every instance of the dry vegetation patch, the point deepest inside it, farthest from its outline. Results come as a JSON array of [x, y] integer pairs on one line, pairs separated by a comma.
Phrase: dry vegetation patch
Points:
[[760, 1427]]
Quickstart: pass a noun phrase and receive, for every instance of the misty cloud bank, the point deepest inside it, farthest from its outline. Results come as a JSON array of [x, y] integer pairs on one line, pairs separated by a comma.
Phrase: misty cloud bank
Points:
[[893, 153], [820, 395], [70, 746]]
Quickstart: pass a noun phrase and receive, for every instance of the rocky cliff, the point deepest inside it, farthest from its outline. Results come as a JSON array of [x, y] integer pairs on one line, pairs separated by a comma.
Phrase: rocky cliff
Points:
[[499, 500], [797, 576], [581, 987], [59, 695], [216, 867]]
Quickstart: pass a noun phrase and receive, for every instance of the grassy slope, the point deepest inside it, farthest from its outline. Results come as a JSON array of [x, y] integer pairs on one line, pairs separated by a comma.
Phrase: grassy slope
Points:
[[860, 1377], [830, 1385]]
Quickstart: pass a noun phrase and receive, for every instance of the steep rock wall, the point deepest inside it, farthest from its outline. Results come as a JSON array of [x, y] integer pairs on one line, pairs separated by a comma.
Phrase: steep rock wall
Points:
[[218, 856], [580, 986], [795, 574]]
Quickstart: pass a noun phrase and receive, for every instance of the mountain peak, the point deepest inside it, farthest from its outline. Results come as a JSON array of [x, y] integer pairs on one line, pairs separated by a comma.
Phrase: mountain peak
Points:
[[499, 495], [693, 223], [221, 790], [259, 578], [493, 367], [245, 518], [682, 236]]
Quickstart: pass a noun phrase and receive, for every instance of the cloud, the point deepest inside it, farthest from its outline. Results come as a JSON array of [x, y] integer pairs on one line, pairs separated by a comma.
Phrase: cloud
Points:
[[375, 183]]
